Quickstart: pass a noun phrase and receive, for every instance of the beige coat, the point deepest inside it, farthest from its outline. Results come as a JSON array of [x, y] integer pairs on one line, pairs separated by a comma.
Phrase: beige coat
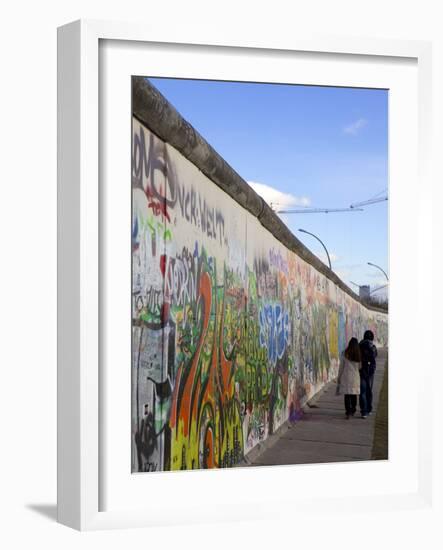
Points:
[[348, 376]]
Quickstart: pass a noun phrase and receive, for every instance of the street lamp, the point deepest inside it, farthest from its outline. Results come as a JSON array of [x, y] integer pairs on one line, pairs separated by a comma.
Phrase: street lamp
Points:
[[321, 242], [382, 270]]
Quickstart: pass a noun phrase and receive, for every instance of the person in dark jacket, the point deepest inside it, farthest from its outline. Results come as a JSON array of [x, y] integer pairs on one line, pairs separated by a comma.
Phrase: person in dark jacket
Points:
[[368, 353]]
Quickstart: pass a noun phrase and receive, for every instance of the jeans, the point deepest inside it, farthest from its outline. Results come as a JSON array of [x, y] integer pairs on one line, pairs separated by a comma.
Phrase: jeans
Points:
[[366, 394], [350, 403]]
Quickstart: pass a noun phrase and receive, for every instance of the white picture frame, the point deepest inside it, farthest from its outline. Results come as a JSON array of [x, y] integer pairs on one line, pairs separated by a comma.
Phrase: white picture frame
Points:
[[80, 436]]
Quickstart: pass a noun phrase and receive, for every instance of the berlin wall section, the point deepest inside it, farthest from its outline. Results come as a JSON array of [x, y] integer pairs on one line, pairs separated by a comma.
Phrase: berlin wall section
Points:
[[234, 326]]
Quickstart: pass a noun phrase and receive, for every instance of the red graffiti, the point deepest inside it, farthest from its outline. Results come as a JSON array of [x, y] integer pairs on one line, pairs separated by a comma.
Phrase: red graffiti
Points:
[[159, 208], [192, 383]]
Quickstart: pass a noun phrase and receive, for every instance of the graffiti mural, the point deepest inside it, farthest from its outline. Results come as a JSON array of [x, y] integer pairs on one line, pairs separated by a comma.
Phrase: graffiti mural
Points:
[[231, 331]]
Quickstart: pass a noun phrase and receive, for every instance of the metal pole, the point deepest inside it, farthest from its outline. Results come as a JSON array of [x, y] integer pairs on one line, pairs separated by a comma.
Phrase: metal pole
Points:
[[321, 242], [382, 270]]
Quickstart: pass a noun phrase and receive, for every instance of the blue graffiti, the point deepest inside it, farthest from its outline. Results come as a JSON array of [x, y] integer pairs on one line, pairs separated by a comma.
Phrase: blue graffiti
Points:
[[135, 235], [274, 331]]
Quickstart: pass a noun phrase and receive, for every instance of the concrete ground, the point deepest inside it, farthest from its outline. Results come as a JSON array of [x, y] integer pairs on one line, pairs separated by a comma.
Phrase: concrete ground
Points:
[[323, 434]]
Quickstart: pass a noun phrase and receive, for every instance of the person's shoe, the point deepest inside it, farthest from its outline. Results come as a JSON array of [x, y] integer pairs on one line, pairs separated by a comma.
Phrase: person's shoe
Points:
[[347, 416], [364, 416]]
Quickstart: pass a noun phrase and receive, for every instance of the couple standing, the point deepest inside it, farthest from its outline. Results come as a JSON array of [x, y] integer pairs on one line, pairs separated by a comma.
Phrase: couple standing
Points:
[[356, 374]]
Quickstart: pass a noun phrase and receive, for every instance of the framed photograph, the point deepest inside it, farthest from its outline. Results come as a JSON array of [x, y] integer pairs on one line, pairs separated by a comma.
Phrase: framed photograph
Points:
[[204, 349]]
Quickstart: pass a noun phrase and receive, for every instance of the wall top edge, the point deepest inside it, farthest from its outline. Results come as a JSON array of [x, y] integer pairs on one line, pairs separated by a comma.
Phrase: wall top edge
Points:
[[153, 110]]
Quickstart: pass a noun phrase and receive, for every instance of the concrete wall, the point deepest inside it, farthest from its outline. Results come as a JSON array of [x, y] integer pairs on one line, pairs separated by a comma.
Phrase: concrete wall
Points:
[[232, 330]]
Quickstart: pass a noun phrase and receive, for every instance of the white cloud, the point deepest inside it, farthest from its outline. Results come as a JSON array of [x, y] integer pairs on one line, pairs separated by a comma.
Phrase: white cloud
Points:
[[324, 258], [346, 272], [279, 199], [355, 126], [343, 273]]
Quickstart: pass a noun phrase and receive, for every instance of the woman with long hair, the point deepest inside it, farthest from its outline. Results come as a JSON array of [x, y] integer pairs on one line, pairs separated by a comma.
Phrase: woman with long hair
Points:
[[348, 380]]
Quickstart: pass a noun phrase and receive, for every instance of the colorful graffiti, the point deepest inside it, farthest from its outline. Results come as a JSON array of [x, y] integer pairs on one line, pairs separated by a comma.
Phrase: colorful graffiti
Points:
[[231, 335]]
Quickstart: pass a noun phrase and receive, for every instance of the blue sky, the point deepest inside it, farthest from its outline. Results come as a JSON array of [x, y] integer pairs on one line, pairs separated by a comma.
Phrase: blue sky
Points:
[[319, 146]]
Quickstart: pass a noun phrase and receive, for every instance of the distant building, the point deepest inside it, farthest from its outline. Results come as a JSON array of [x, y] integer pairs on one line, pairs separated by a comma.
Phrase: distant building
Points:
[[365, 291]]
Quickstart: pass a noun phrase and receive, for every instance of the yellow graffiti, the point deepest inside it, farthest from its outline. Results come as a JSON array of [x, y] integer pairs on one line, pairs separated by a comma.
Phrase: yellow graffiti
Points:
[[333, 334]]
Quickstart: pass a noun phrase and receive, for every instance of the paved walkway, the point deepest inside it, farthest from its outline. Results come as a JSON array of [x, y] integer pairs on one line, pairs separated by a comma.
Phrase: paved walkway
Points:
[[323, 434]]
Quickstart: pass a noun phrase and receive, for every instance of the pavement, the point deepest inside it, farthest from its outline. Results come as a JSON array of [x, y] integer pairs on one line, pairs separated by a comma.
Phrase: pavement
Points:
[[323, 434]]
